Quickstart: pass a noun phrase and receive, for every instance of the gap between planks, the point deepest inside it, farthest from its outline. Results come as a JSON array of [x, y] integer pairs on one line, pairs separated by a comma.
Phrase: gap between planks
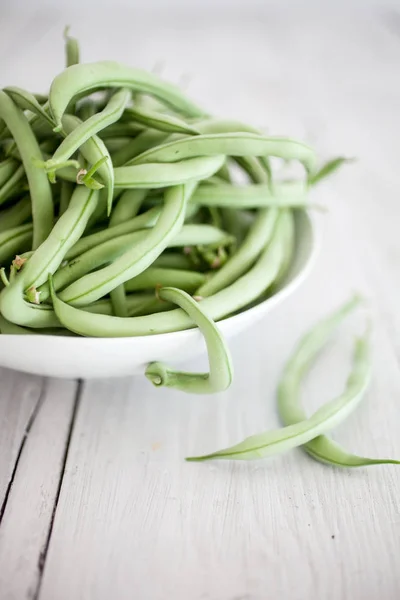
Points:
[[38, 472]]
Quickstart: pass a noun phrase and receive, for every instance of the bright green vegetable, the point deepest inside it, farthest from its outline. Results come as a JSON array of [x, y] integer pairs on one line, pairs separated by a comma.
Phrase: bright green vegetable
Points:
[[79, 79], [39, 186], [71, 49], [325, 418], [221, 371], [321, 448]]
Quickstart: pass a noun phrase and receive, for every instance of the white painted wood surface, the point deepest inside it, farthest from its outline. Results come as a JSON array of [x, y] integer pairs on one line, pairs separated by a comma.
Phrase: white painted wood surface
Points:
[[132, 519]]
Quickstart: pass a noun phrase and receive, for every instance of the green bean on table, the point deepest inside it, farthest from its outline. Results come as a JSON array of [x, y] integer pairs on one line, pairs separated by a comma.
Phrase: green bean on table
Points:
[[325, 418], [321, 448]]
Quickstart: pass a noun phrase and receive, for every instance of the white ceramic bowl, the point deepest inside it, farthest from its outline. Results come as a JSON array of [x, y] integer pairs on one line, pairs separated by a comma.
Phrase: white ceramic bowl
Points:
[[73, 357]]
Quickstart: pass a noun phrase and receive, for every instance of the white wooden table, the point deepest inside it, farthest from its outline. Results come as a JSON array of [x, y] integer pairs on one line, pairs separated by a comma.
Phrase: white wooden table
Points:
[[97, 501]]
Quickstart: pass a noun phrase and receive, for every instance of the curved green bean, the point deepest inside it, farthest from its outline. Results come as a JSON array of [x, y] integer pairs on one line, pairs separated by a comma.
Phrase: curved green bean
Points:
[[71, 49], [137, 259], [145, 140], [7, 328], [221, 371], [39, 186], [27, 101], [16, 214], [127, 206], [287, 194], [94, 150], [46, 259], [14, 241], [143, 221], [7, 169], [229, 144], [70, 226], [161, 121], [79, 79], [321, 448], [160, 175], [87, 129], [325, 418], [173, 260], [258, 237], [157, 277], [13, 185], [328, 168]]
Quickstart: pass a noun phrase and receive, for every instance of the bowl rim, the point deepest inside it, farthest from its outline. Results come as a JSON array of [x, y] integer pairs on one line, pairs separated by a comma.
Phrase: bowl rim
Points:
[[286, 290]]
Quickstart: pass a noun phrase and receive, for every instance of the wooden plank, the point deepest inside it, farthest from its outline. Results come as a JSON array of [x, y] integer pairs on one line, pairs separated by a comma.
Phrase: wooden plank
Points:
[[27, 517], [19, 398]]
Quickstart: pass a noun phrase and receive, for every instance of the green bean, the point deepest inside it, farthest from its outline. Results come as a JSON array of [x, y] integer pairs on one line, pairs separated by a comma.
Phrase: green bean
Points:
[[252, 166], [221, 371], [87, 109], [64, 234], [93, 150], [258, 237], [17, 310], [238, 223], [128, 206], [288, 257], [121, 129], [115, 144], [173, 260], [42, 130], [137, 304], [41, 98], [46, 259], [328, 168], [118, 301], [65, 196], [86, 130], [229, 144], [160, 121], [145, 220], [79, 79], [145, 140], [146, 307], [137, 259], [27, 101], [325, 418], [39, 186], [7, 328], [16, 214], [159, 175], [71, 49], [13, 185], [155, 277], [15, 240], [321, 448], [236, 296], [223, 174], [7, 169], [92, 259], [287, 194]]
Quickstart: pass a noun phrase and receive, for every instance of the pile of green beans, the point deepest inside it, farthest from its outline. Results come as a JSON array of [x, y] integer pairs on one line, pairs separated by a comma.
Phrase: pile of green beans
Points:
[[120, 214]]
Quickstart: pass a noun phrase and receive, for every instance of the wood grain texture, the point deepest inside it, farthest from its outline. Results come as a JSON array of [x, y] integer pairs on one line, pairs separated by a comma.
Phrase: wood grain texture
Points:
[[27, 516], [19, 398], [133, 520]]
